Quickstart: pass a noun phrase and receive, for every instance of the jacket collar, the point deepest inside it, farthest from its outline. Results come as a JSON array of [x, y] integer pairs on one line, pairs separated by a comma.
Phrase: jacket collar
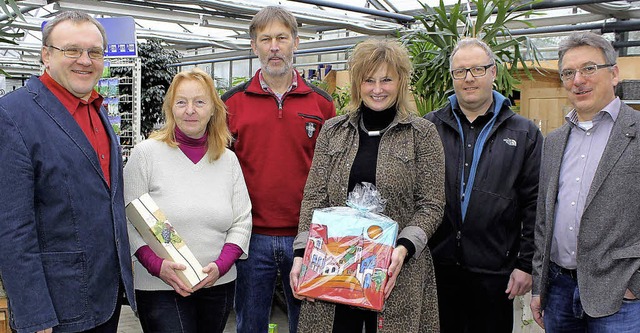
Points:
[[254, 86], [501, 106]]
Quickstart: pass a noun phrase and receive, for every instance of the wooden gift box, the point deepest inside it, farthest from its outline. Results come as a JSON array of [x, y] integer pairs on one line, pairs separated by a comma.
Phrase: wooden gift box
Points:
[[163, 239]]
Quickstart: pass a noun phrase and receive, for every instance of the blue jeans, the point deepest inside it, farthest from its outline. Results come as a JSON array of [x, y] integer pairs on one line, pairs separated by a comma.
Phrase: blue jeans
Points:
[[256, 283], [206, 310], [563, 312]]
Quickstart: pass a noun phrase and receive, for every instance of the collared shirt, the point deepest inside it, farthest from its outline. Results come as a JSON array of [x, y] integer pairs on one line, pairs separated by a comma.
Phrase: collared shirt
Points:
[[265, 86], [579, 164], [471, 131], [86, 115]]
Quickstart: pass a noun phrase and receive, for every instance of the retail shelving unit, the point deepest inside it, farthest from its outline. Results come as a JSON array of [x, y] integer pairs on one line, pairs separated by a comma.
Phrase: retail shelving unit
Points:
[[129, 103]]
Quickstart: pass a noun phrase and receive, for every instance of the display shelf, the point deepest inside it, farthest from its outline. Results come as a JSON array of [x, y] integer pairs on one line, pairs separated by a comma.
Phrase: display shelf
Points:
[[127, 120]]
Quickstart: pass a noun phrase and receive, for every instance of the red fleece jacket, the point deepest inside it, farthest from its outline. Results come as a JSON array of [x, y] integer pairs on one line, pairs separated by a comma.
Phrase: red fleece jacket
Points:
[[274, 142]]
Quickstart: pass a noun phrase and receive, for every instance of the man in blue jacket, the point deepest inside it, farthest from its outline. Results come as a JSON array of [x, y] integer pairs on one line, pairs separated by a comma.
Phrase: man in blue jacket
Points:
[[483, 249], [64, 251]]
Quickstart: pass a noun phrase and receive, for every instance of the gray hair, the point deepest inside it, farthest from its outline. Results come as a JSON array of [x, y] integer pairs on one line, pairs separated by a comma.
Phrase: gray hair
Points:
[[75, 17], [586, 38], [469, 42], [270, 14]]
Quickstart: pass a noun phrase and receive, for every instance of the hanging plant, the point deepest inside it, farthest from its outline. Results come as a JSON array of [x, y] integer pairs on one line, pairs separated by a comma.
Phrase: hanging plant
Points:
[[430, 47]]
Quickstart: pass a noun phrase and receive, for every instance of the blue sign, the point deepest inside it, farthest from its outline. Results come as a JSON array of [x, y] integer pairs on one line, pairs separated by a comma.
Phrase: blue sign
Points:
[[121, 36]]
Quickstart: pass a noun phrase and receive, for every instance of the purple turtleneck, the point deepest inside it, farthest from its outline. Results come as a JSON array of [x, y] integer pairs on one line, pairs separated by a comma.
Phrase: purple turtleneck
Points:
[[195, 149]]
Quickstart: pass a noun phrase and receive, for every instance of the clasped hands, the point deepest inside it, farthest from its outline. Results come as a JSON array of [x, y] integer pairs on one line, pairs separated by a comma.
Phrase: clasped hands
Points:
[[169, 276]]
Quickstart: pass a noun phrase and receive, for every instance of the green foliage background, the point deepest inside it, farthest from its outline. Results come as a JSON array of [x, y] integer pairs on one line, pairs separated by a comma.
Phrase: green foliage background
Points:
[[431, 46]]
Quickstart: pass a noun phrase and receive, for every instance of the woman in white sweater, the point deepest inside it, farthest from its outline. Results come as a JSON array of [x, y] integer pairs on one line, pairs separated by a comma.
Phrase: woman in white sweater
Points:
[[197, 182]]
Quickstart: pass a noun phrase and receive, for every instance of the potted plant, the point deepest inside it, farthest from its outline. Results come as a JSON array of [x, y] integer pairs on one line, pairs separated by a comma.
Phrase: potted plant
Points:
[[442, 27]]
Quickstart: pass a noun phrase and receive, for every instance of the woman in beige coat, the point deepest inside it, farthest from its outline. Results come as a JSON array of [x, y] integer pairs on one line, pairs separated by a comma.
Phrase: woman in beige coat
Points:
[[380, 141]]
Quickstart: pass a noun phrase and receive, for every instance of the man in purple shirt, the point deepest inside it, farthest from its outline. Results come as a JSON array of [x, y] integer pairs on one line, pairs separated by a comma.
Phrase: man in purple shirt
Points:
[[586, 266]]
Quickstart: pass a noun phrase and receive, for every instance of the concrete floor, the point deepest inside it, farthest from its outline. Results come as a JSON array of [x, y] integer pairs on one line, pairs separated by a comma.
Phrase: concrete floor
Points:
[[129, 322]]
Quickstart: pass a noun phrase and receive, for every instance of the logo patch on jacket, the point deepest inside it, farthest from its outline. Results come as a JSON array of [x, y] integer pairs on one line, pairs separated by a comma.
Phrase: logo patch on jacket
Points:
[[510, 142], [311, 128]]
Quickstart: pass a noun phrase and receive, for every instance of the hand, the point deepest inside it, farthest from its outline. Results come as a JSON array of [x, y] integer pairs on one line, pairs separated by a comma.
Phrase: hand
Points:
[[169, 276], [629, 295], [538, 314], [294, 277], [519, 283], [397, 259], [48, 330], [213, 274]]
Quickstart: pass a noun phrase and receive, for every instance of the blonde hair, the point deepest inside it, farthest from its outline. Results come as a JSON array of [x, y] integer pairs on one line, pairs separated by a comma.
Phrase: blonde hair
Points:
[[370, 55], [218, 134]]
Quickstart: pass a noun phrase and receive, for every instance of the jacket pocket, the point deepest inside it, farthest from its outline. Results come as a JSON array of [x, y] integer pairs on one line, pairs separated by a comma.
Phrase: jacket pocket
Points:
[[311, 124], [66, 275], [629, 252], [404, 152]]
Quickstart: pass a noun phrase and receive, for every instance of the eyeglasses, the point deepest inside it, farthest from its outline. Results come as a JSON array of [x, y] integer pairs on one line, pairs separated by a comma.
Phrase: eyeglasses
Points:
[[588, 70], [478, 71], [76, 52]]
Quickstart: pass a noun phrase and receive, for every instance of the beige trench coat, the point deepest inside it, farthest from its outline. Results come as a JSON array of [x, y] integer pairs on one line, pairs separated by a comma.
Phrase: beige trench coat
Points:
[[410, 175]]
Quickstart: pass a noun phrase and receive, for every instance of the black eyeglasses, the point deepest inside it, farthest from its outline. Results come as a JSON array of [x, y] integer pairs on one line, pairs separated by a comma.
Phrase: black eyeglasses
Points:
[[76, 52], [478, 71], [588, 70]]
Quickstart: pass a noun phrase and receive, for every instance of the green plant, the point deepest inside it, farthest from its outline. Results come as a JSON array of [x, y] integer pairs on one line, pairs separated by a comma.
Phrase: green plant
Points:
[[340, 95], [341, 98], [431, 46]]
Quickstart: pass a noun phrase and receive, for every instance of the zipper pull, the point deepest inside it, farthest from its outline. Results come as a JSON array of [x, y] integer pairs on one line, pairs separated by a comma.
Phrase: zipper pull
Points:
[[380, 321]]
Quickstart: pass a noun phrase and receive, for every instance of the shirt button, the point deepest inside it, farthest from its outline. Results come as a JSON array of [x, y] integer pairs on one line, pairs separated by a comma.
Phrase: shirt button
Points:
[[469, 145], [466, 164], [573, 253], [102, 156], [571, 228], [582, 156], [588, 133], [96, 129], [578, 179], [472, 127], [573, 203]]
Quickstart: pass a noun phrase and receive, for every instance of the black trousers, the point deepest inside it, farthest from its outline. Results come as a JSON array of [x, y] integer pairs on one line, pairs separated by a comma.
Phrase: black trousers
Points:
[[473, 302], [351, 320]]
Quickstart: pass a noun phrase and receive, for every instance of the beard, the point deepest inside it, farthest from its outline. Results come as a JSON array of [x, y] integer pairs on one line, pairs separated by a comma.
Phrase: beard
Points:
[[283, 69]]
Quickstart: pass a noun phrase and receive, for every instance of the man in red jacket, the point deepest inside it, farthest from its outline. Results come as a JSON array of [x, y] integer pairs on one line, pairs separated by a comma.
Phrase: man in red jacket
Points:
[[275, 119]]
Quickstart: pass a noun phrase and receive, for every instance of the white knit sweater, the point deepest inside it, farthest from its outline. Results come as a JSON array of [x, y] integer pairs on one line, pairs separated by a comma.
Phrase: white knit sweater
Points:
[[207, 203]]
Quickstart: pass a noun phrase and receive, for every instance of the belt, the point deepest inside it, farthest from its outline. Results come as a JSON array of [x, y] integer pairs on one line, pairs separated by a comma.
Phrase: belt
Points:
[[572, 273]]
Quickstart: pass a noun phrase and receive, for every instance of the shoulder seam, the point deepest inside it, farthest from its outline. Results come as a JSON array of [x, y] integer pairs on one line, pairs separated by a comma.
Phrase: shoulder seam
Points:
[[318, 91], [234, 90]]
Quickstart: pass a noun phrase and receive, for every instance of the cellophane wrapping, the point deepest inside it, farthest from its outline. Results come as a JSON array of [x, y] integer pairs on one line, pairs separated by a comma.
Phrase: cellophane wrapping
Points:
[[348, 252]]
